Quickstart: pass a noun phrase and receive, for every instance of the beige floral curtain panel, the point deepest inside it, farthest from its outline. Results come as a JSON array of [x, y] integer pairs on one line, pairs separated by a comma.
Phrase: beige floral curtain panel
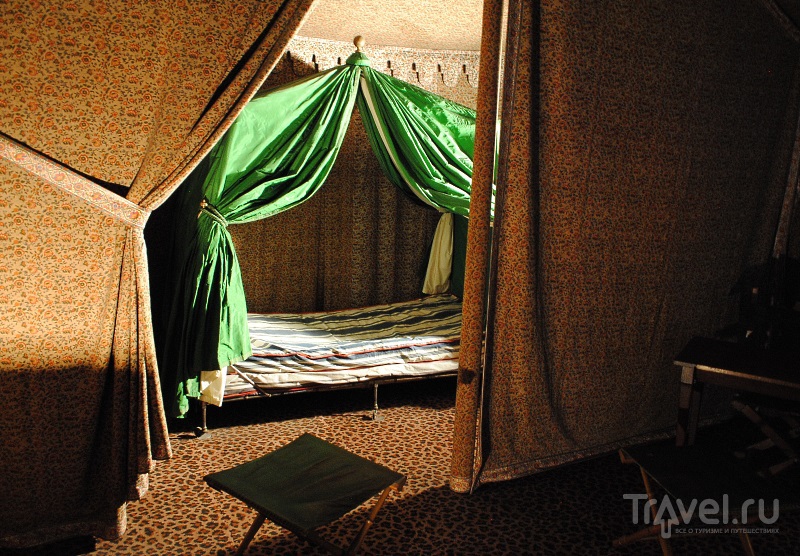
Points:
[[104, 109], [467, 440], [641, 172]]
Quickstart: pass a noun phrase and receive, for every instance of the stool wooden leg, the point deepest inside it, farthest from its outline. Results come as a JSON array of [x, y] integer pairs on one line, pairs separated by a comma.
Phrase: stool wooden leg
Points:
[[654, 531], [666, 548], [370, 520], [259, 521], [650, 532], [747, 546]]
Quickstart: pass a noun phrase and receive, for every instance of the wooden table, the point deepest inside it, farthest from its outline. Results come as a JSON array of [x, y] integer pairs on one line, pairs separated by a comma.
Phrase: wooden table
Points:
[[706, 471], [737, 366]]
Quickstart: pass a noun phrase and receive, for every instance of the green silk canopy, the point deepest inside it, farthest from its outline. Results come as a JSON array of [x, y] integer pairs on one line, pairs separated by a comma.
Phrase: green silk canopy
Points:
[[276, 155]]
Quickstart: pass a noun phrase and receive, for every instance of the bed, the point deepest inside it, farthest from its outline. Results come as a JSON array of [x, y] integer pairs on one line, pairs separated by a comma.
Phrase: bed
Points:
[[351, 348]]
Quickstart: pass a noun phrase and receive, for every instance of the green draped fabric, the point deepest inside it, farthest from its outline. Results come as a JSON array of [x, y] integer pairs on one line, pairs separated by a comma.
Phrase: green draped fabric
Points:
[[423, 142], [276, 155]]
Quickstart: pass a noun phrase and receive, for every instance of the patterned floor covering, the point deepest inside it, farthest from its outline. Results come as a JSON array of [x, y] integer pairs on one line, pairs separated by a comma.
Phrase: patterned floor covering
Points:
[[575, 509]]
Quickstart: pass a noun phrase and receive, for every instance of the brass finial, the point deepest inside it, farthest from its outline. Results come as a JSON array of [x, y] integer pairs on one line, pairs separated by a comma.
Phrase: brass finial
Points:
[[359, 41]]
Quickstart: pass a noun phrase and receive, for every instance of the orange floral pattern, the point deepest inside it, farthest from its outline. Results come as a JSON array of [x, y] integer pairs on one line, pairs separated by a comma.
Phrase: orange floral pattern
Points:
[[44, 326], [130, 95], [63, 178], [644, 178], [466, 437], [89, 84]]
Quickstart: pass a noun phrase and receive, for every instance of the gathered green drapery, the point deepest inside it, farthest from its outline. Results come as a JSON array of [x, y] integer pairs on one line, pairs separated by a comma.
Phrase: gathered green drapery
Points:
[[424, 143], [276, 155]]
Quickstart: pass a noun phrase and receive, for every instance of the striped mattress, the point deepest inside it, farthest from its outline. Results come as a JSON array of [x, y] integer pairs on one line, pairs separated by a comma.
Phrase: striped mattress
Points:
[[399, 340]]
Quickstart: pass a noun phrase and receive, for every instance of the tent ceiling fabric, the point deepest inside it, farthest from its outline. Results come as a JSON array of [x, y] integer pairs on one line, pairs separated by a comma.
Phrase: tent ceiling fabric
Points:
[[416, 24]]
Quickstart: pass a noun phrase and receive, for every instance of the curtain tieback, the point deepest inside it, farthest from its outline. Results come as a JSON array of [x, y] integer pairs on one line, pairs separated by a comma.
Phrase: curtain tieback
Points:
[[212, 212]]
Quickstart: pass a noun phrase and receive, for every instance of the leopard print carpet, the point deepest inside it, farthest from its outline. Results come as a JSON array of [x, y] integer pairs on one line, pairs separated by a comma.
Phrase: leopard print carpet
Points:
[[575, 509]]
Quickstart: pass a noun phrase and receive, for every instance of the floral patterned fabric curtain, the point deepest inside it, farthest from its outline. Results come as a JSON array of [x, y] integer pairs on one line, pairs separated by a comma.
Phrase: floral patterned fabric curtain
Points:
[[642, 171], [104, 109]]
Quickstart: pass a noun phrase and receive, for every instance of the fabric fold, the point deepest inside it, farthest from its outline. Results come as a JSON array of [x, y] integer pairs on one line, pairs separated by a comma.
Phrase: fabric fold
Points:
[[275, 156], [277, 153], [440, 263]]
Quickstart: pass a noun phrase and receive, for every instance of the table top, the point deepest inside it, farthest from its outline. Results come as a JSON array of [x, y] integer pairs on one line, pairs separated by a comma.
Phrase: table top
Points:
[[306, 483], [781, 368]]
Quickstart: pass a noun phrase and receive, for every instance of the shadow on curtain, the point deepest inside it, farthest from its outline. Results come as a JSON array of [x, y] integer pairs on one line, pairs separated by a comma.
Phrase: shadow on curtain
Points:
[[642, 169], [127, 95]]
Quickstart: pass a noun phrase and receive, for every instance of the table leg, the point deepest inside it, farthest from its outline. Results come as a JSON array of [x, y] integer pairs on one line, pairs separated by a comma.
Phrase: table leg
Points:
[[691, 394]]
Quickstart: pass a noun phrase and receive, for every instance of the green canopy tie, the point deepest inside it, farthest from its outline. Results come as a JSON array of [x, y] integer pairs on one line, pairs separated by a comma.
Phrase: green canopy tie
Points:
[[212, 212]]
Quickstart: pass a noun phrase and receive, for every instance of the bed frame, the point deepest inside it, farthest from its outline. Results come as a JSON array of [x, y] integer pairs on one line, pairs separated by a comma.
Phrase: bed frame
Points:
[[367, 347]]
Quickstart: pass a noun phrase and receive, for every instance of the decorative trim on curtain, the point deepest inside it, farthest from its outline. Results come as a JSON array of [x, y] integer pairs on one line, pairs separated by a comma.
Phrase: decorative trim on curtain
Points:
[[793, 183], [135, 358], [190, 102], [424, 67], [65, 179], [466, 435]]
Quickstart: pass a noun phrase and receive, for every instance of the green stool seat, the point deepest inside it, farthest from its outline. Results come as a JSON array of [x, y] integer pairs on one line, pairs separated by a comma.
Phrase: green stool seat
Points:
[[307, 484]]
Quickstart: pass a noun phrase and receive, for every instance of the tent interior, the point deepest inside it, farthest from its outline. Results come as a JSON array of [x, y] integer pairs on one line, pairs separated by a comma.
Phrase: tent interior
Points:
[[369, 245], [646, 180]]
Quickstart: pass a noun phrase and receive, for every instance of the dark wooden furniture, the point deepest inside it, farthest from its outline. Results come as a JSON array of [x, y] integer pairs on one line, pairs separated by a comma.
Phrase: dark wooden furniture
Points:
[[305, 485], [706, 471], [738, 366]]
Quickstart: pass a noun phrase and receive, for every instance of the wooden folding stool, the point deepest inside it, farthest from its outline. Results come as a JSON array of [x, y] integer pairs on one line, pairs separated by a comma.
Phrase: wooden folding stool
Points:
[[305, 485]]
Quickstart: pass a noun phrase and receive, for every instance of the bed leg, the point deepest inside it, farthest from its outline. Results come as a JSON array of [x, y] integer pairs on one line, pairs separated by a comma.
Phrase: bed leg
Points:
[[203, 432], [376, 417]]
